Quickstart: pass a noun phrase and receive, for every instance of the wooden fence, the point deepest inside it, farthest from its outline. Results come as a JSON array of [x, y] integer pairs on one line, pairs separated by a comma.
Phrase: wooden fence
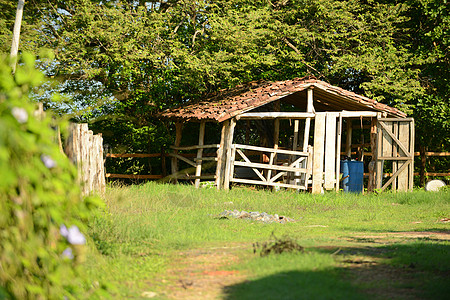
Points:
[[163, 155], [85, 150]]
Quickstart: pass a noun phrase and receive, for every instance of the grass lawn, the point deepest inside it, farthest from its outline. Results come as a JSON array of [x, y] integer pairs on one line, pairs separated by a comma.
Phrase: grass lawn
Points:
[[166, 242]]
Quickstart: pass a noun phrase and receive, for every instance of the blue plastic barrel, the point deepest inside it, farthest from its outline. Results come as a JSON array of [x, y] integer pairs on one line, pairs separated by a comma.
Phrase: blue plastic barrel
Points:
[[352, 174]]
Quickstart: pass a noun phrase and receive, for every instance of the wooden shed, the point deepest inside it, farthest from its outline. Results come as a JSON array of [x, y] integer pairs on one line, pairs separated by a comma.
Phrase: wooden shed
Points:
[[320, 122]]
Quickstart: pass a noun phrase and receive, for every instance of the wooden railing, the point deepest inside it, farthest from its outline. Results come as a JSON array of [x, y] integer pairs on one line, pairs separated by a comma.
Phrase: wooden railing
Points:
[[186, 157], [208, 157], [267, 179], [196, 162]]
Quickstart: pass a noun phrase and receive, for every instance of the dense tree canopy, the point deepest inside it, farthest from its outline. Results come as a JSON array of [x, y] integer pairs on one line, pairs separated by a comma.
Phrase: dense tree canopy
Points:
[[119, 61]]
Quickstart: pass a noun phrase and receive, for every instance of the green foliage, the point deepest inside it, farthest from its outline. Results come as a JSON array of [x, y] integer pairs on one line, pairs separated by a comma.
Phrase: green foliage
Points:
[[117, 62], [38, 194]]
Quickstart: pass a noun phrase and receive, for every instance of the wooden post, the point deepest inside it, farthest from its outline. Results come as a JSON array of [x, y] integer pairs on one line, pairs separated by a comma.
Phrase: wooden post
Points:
[[229, 143], [412, 137], [403, 137], [221, 155], [163, 162], [247, 132], [395, 164], [330, 151], [276, 135], [294, 148], [309, 108], [423, 165], [372, 165], [86, 151], [380, 163], [319, 139], [178, 134], [338, 152], [198, 168], [348, 143]]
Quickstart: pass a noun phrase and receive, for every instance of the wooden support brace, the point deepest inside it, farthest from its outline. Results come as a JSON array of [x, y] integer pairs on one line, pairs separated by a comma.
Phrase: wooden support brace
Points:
[[201, 138], [178, 134]]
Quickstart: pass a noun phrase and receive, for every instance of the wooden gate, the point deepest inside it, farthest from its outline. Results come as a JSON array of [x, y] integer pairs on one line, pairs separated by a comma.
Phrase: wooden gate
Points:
[[395, 148], [270, 174]]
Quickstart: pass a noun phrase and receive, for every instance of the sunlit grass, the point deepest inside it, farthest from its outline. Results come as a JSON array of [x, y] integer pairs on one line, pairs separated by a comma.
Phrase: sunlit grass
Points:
[[144, 226]]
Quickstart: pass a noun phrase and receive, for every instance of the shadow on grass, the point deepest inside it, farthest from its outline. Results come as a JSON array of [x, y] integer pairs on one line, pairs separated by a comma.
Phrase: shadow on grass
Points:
[[294, 285], [405, 271]]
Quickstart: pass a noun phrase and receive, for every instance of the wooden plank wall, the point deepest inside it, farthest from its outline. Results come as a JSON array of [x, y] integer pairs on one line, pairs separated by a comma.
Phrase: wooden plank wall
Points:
[[326, 152], [318, 156], [330, 151]]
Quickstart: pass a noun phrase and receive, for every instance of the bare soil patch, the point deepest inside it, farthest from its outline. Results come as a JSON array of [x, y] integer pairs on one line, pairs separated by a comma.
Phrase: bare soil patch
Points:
[[436, 235], [203, 273]]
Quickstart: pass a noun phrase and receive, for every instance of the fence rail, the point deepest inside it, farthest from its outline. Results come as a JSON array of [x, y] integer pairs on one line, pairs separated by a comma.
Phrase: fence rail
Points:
[[190, 155]]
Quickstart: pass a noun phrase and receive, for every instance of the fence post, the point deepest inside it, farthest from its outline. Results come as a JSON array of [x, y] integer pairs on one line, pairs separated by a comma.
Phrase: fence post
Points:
[[423, 164], [86, 151]]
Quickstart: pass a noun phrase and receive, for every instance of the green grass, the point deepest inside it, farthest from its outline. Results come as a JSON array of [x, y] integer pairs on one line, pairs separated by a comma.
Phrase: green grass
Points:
[[145, 226]]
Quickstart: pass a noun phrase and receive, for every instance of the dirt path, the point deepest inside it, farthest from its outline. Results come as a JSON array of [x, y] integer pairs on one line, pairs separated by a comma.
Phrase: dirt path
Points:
[[203, 273]]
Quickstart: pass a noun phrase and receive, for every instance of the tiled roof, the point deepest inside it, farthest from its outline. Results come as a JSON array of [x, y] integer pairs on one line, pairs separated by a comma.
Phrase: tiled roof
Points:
[[230, 103]]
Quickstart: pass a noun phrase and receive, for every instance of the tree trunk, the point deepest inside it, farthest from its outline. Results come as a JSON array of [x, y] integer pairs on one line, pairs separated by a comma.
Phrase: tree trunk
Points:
[[16, 34]]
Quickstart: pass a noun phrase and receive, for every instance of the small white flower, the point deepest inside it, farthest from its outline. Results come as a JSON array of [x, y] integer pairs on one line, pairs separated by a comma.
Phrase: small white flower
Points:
[[63, 230], [20, 114], [75, 237], [48, 161], [67, 253]]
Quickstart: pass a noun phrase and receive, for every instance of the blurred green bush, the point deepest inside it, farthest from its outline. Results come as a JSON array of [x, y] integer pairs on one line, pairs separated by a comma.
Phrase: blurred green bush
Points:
[[39, 198]]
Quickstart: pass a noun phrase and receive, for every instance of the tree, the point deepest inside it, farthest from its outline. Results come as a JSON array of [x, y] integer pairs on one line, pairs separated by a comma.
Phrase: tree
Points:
[[119, 61]]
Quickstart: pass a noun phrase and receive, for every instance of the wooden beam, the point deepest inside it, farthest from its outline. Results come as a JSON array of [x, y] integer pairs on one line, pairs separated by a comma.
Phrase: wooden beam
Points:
[[269, 167], [358, 114], [395, 175], [163, 161], [330, 150], [228, 156], [371, 186], [194, 147], [432, 153], [309, 109], [201, 139], [132, 176], [275, 115], [395, 119], [394, 138], [116, 155], [379, 162], [277, 184], [204, 177], [412, 140], [395, 164], [221, 161], [276, 135], [295, 146], [265, 149], [319, 140], [247, 132], [178, 134], [248, 161], [338, 152], [348, 141], [174, 155]]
